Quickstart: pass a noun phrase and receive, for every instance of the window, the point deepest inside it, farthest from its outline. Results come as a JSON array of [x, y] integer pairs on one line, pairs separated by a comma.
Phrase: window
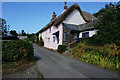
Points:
[[65, 36], [75, 35], [85, 34], [48, 39], [54, 39]]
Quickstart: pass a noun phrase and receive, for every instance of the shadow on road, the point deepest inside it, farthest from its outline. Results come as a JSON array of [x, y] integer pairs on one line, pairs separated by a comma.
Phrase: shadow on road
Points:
[[37, 58]]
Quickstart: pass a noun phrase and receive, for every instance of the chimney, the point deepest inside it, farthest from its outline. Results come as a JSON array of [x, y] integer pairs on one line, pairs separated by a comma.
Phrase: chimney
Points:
[[54, 15], [65, 7]]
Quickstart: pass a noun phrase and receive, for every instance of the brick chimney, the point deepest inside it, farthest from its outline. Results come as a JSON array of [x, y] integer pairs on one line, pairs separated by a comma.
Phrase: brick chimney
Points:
[[54, 15], [65, 7]]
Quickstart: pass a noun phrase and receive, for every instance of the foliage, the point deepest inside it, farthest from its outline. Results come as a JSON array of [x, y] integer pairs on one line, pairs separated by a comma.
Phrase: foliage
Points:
[[4, 26], [106, 56], [23, 33], [33, 38], [16, 50], [62, 48], [41, 42], [13, 32], [109, 26]]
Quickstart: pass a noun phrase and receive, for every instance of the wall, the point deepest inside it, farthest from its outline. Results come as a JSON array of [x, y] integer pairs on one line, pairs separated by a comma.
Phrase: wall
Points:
[[22, 37], [46, 34], [74, 18]]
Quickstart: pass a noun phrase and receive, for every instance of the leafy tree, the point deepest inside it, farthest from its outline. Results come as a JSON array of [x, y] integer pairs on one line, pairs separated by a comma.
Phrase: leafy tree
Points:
[[13, 32], [23, 33], [109, 25], [3, 26]]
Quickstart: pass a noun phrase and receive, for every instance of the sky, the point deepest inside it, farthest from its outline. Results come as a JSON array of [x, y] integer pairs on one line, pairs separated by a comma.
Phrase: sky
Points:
[[32, 16]]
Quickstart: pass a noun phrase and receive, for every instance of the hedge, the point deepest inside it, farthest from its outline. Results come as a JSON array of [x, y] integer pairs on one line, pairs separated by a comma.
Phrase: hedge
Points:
[[61, 48], [16, 50]]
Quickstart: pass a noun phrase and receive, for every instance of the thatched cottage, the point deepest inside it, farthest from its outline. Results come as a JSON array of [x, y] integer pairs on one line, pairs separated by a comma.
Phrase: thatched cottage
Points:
[[70, 26]]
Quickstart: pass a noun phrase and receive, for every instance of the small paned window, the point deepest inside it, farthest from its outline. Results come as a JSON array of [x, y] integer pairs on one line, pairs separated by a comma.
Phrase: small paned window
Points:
[[65, 37], [75, 35], [48, 39], [85, 34]]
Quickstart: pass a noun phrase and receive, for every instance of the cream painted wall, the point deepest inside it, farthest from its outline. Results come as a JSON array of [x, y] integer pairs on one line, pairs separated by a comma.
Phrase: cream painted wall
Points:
[[46, 34], [74, 18]]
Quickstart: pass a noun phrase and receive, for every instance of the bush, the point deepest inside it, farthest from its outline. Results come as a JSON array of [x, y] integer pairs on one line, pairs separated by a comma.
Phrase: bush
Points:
[[106, 56], [33, 38], [16, 50], [62, 48]]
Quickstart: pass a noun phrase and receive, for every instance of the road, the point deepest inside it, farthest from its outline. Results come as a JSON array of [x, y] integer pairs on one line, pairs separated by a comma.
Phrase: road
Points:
[[54, 65]]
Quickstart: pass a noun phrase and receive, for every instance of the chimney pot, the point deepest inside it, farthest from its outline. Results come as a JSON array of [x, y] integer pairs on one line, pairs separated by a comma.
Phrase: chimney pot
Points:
[[54, 15], [65, 5]]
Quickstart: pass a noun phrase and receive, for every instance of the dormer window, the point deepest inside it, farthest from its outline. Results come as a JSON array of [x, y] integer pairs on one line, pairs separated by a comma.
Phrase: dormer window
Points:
[[85, 34]]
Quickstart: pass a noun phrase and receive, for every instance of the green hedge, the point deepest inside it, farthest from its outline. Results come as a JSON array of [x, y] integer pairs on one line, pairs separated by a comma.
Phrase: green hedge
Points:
[[16, 50], [61, 48]]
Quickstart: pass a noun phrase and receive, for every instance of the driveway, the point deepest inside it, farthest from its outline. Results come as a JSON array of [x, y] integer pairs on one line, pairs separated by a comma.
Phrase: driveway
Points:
[[53, 65]]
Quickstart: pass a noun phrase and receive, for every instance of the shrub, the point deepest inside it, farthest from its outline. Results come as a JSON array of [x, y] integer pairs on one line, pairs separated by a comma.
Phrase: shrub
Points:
[[106, 56], [62, 48], [26, 39], [16, 50], [33, 38]]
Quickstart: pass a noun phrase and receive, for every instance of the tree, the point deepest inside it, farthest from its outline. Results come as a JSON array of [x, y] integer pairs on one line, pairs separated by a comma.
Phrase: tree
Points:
[[23, 33], [3, 26], [109, 25], [13, 32]]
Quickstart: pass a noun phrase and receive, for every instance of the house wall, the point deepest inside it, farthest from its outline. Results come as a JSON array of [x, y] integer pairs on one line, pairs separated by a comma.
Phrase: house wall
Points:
[[22, 37], [91, 33], [70, 37], [74, 18], [46, 34]]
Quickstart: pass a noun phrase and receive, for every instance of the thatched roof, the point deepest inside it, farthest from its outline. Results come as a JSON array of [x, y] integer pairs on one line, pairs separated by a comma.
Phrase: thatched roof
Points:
[[86, 16]]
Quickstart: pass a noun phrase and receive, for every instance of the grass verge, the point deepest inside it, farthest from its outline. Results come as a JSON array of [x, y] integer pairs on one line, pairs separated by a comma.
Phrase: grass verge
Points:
[[16, 66]]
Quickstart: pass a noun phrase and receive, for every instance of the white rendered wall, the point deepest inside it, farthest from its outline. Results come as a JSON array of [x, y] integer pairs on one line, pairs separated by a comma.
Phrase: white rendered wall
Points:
[[46, 34], [91, 33], [74, 18]]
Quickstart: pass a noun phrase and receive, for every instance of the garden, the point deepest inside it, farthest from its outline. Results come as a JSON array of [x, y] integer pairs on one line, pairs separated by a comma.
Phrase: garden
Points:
[[107, 56]]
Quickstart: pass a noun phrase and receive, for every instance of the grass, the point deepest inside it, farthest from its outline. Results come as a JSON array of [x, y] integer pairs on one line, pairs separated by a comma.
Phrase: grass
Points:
[[16, 66]]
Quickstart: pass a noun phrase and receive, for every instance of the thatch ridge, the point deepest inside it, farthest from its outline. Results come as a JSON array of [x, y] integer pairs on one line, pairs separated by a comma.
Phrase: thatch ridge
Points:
[[86, 16]]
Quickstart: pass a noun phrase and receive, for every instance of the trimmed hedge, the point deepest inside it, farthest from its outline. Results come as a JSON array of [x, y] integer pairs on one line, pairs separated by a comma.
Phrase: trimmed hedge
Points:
[[16, 50], [61, 48]]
